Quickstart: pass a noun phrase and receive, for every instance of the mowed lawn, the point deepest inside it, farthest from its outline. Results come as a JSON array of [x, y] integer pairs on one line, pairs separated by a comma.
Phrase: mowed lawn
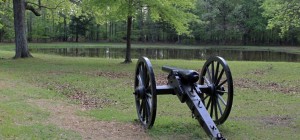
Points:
[[266, 98]]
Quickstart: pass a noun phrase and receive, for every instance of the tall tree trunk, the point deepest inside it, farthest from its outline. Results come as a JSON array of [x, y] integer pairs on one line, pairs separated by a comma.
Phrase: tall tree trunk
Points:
[[1, 34], [65, 38], [106, 31], [29, 26], [224, 30], [128, 45], [20, 34], [77, 36], [98, 32], [53, 28]]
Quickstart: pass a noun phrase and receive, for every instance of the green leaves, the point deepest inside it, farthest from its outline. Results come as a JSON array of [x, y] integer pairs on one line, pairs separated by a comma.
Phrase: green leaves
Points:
[[175, 12], [284, 15], [1, 13], [6, 19]]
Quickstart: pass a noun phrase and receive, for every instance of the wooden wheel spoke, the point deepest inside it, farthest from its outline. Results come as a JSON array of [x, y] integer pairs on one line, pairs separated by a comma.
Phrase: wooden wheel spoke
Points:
[[141, 107], [144, 75], [212, 72], [216, 108], [149, 95], [220, 76], [221, 98], [141, 72], [144, 110], [208, 73], [206, 80], [222, 83], [208, 103], [212, 107], [147, 80], [205, 98], [219, 106], [149, 103], [221, 91], [140, 80], [217, 72], [149, 106], [149, 84], [147, 110], [149, 98]]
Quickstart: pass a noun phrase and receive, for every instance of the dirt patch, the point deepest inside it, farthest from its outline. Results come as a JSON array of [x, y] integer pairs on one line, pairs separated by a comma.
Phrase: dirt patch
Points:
[[96, 102], [161, 79], [63, 115], [60, 72], [4, 85], [272, 86], [82, 97], [277, 120], [115, 74], [261, 71], [91, 102], [285, 121], [107, 74]]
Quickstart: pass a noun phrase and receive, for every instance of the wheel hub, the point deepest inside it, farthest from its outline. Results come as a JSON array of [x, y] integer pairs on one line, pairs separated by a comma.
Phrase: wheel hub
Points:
[[140, 91], [212, 89]]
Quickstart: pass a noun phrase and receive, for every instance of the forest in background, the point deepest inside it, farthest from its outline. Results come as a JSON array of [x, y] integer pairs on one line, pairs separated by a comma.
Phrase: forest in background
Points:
[[216, 22]]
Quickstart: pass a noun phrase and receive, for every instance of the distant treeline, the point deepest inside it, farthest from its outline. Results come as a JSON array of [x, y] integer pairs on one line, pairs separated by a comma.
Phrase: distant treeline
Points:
[[220, 22]]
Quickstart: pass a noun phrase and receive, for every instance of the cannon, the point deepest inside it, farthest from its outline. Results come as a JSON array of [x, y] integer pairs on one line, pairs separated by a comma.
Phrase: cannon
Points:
[[209, 95]]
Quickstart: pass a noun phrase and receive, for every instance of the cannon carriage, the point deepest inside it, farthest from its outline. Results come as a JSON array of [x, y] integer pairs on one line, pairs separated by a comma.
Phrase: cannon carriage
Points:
[[209, 95]]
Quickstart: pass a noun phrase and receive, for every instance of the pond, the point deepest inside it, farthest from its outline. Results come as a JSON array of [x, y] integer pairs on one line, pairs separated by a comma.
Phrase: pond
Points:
[[153, 53]]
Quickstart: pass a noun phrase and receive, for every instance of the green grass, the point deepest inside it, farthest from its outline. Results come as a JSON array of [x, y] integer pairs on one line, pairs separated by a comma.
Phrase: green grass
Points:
[[20, 119], [266, 100]]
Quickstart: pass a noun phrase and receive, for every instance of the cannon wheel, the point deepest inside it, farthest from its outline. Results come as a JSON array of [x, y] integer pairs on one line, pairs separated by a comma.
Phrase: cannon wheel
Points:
[[145, 92], [218, 100]]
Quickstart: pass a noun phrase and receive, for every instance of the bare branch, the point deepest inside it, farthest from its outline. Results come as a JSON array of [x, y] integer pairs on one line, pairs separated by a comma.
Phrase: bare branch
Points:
[[32, 9], [37, 11], [42, 6]]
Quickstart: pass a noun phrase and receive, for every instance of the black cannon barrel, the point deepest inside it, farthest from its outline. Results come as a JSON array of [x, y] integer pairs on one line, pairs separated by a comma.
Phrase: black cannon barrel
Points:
[[188, 76], [169, 69]]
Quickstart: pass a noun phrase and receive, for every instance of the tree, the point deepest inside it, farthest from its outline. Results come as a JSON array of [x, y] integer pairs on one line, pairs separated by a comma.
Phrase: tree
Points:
[[78, 25], [217, 15], [175, 12], [225, 8], [19, 7], [1, 14], [249, 19], [283, 14], [6, 20]]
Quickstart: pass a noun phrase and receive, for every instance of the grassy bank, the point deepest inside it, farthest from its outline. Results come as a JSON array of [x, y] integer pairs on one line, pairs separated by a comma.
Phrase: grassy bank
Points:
[[266, 100]]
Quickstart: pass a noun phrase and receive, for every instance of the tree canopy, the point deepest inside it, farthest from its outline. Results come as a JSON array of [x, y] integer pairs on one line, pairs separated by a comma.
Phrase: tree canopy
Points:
[[283, 14], [176, 12], [241, 22]]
